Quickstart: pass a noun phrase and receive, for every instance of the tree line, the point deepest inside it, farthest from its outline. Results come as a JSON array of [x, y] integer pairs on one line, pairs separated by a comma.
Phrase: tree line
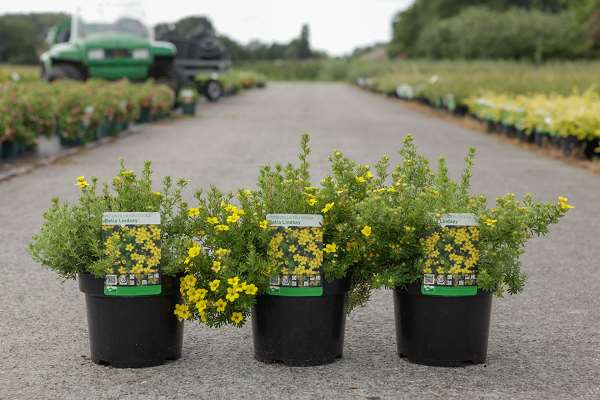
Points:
[[534, 30], [22, 39]]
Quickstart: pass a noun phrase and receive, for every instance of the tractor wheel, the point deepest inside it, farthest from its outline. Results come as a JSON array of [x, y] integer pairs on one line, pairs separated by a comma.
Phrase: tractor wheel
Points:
[[171, 77], [213, 90], [64, 71]]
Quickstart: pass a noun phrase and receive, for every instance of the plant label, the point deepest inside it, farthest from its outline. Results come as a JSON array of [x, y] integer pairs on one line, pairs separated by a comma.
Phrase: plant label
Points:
[[450, 267], [132, 244], [296, 250]]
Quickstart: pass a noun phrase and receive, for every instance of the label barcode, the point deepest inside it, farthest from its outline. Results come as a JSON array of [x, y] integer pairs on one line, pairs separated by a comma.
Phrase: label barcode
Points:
[[111, 280]]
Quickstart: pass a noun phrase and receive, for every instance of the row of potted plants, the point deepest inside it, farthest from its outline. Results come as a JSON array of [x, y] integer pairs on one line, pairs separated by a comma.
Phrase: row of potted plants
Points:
[[228, 83], [558, 103], [294, 255], [571, 123], [76, 112]]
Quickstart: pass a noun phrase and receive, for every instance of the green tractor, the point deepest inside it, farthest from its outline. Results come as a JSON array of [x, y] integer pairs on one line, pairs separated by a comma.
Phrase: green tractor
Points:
[[111, 42]]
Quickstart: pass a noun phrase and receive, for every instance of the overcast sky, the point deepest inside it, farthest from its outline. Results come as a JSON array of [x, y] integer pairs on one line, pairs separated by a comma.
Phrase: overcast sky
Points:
[[337, 26]]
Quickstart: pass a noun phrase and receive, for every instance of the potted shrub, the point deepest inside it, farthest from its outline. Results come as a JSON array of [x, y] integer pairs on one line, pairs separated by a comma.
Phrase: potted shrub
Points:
[[128, 272], [445, 253], [188, 98], [296, 247]]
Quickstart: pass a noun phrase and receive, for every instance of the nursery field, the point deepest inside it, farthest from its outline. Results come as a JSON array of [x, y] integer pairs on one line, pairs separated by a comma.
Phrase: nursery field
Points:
[[544, 343], [554, 104]]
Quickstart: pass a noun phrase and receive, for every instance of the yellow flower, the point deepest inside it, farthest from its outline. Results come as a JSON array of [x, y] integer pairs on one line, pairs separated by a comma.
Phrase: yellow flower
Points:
[[330, 248], [221, 252], [81, 182], [216, 266], [222, 228], [230, 208], [563, 203], [194, 295], [201, 306], [251, 289], [194, 251], [233, 281], [157, 194], [126, 172], [233, 218], [366, 231], [193, 212], [232, 294], [312, 201], [214, 285], [247, 193], [360, 179], [220, 305], [264, 224], [327, 207], [369, 175], [182, 311], [237, 317], [188, 282], [212, 220], [490, 222]]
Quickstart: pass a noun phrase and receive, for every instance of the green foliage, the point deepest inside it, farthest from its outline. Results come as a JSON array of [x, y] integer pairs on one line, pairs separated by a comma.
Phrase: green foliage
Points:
[[235, 80], [492, 29], [406, 213], [238, 239], [70, 239], [23, 36], [288, 70], [481, 33]]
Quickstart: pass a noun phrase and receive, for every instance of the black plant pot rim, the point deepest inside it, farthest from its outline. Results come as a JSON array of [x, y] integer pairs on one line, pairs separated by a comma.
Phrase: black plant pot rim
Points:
[[414, 289], [94, 286]]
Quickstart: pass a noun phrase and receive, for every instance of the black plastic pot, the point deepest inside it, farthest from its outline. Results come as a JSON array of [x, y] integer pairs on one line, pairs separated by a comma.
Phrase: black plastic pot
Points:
[[69, 142], [572, 146], [301, 331], [461, 110], [524, 136], [440, 330], [8, 150], [132, 332], [540, 138], [590, 148], [145, 115], [188, 108]]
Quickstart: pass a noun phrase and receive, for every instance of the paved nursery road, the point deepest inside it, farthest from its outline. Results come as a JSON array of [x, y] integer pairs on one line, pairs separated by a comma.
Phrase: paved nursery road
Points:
[[544, 344]]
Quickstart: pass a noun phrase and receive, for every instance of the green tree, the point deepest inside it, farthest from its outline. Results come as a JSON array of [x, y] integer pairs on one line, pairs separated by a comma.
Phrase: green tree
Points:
[[22, 35], [425, 20]]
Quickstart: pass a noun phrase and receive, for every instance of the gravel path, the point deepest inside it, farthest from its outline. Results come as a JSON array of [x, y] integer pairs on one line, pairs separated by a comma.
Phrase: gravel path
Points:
[[544, 344]]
